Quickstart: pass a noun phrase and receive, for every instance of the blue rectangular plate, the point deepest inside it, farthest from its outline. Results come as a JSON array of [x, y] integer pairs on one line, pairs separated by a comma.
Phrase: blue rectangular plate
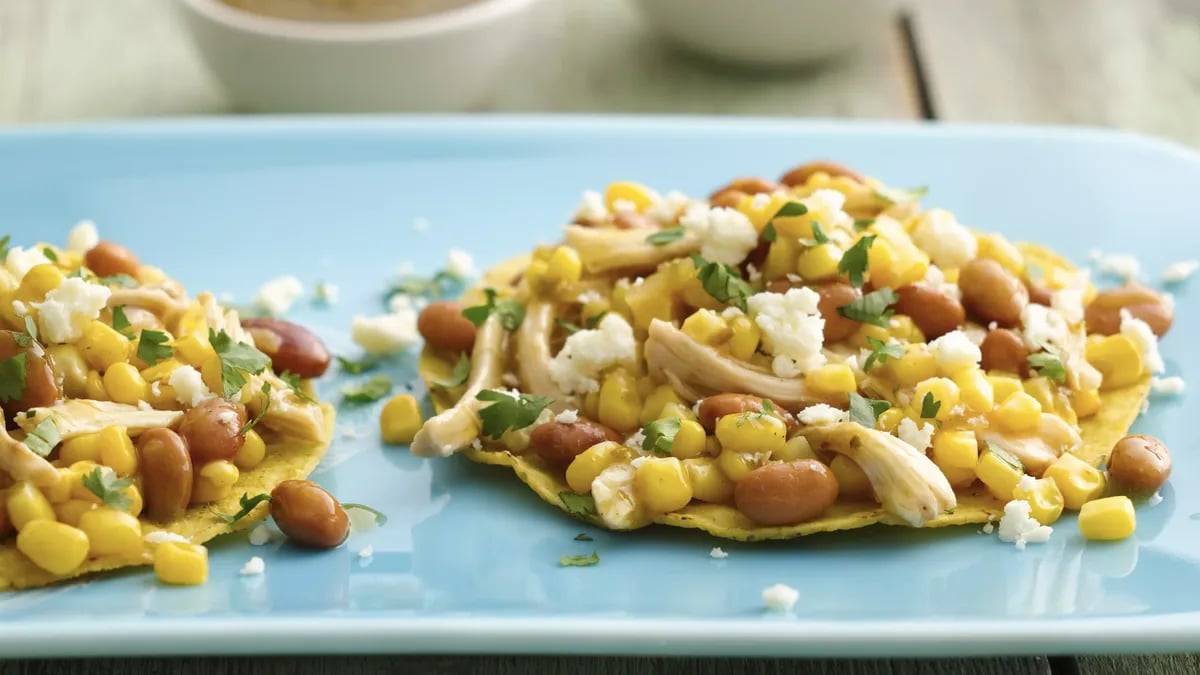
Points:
[[468, 561]]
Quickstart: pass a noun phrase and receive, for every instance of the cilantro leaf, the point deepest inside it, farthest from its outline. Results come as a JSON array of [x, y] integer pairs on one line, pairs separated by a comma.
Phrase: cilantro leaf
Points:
[[862, 224], [891, 195], [1049, 366], [854, 261], [666, 236], [567, 326], [790, 209], [50, 254], [769, 234], [511, 312], [880, 352], [930, 406], [578, 505], [104, 483], [722, 282], [250, 424], [153, 347], [44, 437], [1004, 456], [508, 411], [459, 375], [579, 560], [819, 237], [30, 329], [873, 308], [442, 283], [768, 407], [866, 411], [583, 536], [296, 384], [120, 322], [119, 280], [373, 389], [4, 243], [593, 321], [235, 357], [12, 378], [357, 367], [380, 517], [660, 435], [247, 503]]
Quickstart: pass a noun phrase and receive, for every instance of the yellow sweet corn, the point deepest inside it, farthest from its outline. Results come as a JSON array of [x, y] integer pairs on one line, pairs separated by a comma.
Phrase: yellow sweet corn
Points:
[[181, 564], [650, 300], [102, 346], [214, 481], [60, 491], [210, 373], [680, 410], [78, 490], [589, 463], [995, 247], [1044, 497], [1018, 413], [116, 450], [192, 349], [735, 465], [796, 447], [689, 441], [251, 453], [70, 365], [904, 329], [1078, 481], [751, 433], [955, 450], [564, 266], [53, 546], [400, 419], [164, 397], [819, 263], [124, 384], [893, 259], [785, 226], [744, 339], [38, 281], [662, 484], [111, 532], [161, 371], [781, 258], [942, 390], [72, 510], [958, 478], [998, 475], [93, 386], [27, 504], [833, 381], [709, 482], [652, 406], [1107, 519], [636, 194], [619, 406], [975, 390], [889, 419], [134, 495], [707, 327], [1003, 386], [591, 404], [869, 330], [1118, 359], [915, 366], [1085, 402], [853, 484]]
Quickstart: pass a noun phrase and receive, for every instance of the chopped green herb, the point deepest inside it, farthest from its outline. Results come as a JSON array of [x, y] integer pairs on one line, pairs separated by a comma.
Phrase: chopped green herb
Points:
[[250, 424], [819, 237], [567, 326], [666, 236], [380, 517], [442, 284], [1049, 366], [121, 322], [44, 437], [860, 225], [236, 358], [153, 347], [4, 243], [790, 209], [768, 407], [119, 280], [854, 261], [583, 536], [660, 435], [579, 560], [372, 389], [247, 503], [593, 321], [901, 195], [458, 376], [930, 406], [50, 254], [1005, 456], [880, 352], [511, 312], [873, 308], [296, 384], [509, 411], [12, 378], [722, 282], [30, 330], [769, 234], [578, 505], [357, 367], [104, 483], [866, 411]]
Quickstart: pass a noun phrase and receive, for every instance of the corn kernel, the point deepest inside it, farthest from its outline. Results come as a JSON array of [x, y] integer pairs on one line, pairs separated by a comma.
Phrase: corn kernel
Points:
[[192, 350], [679, 410], [116, 450], [78, 490], [134, 495], [1078, 481], [869, 330], [564, 267], [746, 336], [915, 366], [1041, 390], [214, 481], [111, 532], [619, 405], [975, 390], [904, 329], [1118, 359], [1003, 386], [955, 450], [853, 484], [210, 373], [94, 386], [1107, 519], [662, 484], [796, 448], [707, 327], [79, 448], [70, 365], [26, 504], [181, 564], [895, 265], [53, 546], [591, 404], [791, 227], [942, 390], [958, 478], [72, 510], [735, 465], [652, 407], [38, 281], [889, 419], [689, 440], [640, 196], [60, 490], [589, 463], [999, 476], [819, 263], [995, 247], [709, 482], [1085, 402], [1045, 500], [751, 433], [163, 397], [102, 346], [252, 452], [651, 300], [124, 384], [833, 381], [161, 371], [781, 258], [1017, 413], [400, 419]]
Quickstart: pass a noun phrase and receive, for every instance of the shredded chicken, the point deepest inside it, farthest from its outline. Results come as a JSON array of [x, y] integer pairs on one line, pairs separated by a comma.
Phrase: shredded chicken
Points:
[[85, 416], [696, 370], [155, 300], [908, 484], [456, 427], [1038, 450], [219, 319], [533, 350], [605, 250], [289, 414], [21, 463]]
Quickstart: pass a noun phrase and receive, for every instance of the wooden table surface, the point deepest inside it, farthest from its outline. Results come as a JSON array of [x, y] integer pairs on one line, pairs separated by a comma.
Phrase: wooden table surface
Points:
[[1133, 65]]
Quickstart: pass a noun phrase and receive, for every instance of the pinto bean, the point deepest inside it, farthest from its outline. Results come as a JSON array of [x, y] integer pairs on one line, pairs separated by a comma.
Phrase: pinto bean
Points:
[[934, 312], [166, 468], [786, 493], [1103, 313], [559, 442], [292, 347], [1005, 351], [444, 327], [309, 515], [992, 293], [1140, 462], [109, 258], [748, 186], [727, 198], [834, 295], [717, 406], [211, 430], [41, 385], [801, 174]]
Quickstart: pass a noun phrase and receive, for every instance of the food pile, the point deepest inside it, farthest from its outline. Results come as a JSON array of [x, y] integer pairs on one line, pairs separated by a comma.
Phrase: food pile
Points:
[[787, 357]]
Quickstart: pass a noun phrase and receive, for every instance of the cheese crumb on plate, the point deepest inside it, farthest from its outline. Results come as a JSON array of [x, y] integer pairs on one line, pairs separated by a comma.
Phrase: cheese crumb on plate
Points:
[[780, 598]]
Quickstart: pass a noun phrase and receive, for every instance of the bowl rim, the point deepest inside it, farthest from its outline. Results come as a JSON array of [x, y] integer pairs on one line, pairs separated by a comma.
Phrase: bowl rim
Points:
[[473, 14]]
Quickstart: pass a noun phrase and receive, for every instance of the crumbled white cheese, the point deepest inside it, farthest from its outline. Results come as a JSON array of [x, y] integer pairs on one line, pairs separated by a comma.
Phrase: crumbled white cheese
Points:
[[1027, 483], [401, 302], [83, 237], [586, 353], [156, 389], [386, 334], [1044, 328], [189, 386], [1017, 527], [666, 210], [67, 309], [278, 295], [144, 406], [731, 313], [753, 274], [1069, 303], [638, 461], [162, 537], [948, 243], [1145, 339], [326, 292], [780, 598], [935, 278], [821, 413], [792, 327], [1154, 499], [613, 493], [460, 263], [591, 207], [624, 206], [568, 416], [589, 296], [696, 406], [988, 528], [1123, 266], [420, 224], [726, 235], [825, 206], [20, 260], [20, 308], [1180, 271], [955, 351], [636, 440], [260, 535], [253, 567], [920, 438], [366, 551], [718, 553], [1167, 386], [760, 201]]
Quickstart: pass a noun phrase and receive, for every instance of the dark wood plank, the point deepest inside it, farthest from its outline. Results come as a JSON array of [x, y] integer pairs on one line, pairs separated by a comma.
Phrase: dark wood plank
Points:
[[1174, 664]]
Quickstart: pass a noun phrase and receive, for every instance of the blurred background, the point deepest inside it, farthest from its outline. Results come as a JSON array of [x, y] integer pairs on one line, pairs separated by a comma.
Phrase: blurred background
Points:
[[1133, 65]]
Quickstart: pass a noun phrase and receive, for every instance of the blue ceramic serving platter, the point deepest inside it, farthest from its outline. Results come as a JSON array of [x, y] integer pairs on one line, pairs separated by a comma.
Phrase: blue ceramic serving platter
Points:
[[468, 560]]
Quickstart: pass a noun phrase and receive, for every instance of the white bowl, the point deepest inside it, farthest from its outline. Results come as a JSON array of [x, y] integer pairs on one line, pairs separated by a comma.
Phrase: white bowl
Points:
[[446, 61], [771, 33]]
